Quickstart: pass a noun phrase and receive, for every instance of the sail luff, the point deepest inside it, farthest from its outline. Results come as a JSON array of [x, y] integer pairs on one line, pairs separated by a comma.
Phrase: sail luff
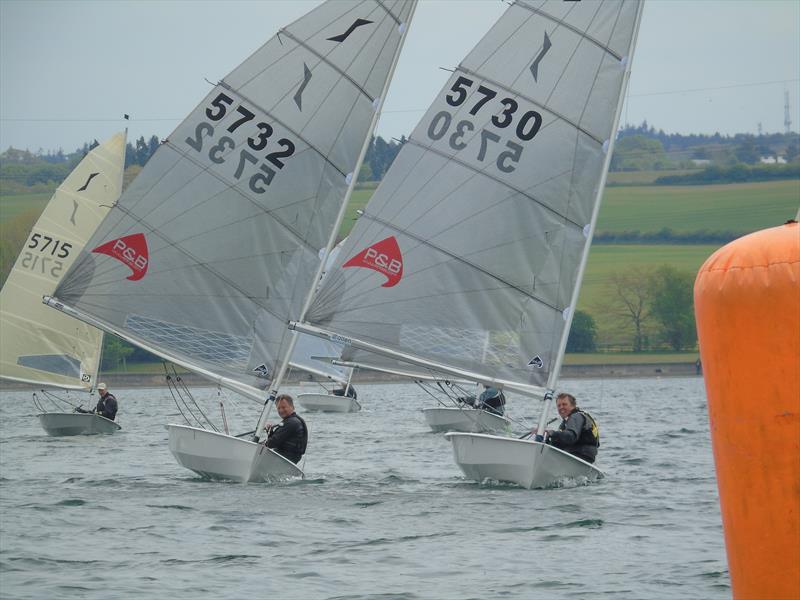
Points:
[[95, 371], [339, 217], [556, 371]]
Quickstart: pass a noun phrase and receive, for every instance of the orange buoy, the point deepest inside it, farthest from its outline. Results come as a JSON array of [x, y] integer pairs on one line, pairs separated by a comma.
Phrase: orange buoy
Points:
[[747, 305]]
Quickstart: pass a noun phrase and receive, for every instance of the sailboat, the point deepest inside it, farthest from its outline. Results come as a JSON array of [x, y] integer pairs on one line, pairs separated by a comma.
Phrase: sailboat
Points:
[[306, 356], [39, 346], [214, 247], [468, 258]]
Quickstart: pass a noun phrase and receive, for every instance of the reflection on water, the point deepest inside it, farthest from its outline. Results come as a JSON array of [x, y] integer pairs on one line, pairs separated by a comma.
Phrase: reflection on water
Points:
[[384, 510]]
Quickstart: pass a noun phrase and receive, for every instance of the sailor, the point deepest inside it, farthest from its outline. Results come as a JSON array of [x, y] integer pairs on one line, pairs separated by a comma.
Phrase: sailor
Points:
[[288, 438], [346, 390], [578, 433], [492, 400], [106, 405]]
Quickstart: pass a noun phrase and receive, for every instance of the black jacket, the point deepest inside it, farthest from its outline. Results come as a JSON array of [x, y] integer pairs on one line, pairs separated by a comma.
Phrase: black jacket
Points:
[[289, 438], [107, 406], [575, 436], [351, 392]]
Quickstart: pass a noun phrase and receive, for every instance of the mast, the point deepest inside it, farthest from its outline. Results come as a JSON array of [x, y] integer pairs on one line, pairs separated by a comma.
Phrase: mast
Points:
[[276, 383], [556, 371]]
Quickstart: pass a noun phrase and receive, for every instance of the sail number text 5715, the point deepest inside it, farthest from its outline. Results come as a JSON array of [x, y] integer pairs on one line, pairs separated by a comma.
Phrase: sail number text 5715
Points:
[[42, 255], [527, 123], [222, 149]]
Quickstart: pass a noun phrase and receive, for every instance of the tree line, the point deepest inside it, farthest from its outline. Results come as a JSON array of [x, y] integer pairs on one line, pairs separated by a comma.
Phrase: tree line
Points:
[[652, 308]]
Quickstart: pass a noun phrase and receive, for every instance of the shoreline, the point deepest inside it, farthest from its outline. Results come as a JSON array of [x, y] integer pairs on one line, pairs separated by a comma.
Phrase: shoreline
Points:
[[598, 371]]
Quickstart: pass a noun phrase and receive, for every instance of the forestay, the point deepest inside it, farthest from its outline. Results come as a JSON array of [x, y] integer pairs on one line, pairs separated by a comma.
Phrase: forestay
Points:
[[215, 245], [39, 345], [468, 253]]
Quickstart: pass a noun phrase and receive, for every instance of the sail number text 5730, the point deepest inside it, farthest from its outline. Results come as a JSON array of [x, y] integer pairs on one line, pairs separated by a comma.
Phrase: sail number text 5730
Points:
[[222, 149], [527, 124]]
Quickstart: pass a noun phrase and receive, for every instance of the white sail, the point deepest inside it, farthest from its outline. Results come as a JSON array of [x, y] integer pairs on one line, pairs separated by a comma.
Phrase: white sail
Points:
[[214, 247], [468, 254], [39, 345]]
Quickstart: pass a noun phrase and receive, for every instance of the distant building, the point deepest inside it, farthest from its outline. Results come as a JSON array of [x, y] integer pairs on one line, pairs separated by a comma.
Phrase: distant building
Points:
[[772, 160], [701, 162]]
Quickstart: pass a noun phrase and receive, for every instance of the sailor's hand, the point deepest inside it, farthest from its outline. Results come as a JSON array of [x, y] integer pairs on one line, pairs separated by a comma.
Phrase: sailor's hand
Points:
[[268, 426]]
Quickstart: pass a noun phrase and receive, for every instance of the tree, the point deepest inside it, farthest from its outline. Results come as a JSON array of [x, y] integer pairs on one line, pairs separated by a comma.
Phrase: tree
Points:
[[671, 306], [627, 302], [582, 334], [115, 352], [747, 151]]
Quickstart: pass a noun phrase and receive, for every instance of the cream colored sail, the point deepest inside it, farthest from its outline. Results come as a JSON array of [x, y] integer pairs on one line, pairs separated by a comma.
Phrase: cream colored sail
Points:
[[39, 345]]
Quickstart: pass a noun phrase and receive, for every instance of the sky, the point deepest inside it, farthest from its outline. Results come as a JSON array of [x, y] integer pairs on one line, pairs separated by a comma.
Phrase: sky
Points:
[[69, 69]]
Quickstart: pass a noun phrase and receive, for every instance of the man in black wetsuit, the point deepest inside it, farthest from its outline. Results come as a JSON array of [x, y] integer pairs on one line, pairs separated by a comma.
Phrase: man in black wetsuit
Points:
[[577, 433], [492, 400], [289, 437], [106, 405]]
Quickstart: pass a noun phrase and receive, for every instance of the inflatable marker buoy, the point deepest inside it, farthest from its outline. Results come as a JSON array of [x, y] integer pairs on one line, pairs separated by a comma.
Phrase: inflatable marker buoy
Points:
[[747, 305]]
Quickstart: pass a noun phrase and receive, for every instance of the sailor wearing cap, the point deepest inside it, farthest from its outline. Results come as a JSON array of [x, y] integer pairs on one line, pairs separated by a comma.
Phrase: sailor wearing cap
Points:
[[107, 404]]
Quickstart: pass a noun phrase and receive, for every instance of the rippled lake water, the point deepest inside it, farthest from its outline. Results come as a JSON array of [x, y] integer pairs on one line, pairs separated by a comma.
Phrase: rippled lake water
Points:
[[383, 513]]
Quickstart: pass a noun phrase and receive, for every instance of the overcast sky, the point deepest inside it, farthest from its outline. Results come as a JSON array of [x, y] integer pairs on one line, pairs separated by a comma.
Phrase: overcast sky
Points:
[[69, 70]]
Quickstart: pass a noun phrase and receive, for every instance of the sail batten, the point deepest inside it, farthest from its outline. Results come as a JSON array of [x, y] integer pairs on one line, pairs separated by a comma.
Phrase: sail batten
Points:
[[572, 28]]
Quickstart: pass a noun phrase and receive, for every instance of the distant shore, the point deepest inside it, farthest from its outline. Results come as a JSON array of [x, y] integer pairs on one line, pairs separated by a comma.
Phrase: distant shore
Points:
[[598, 371]]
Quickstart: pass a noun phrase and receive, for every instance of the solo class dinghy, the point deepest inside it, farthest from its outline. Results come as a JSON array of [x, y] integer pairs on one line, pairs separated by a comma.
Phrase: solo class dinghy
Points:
[[214, 247], [468, 258], [42, 347]]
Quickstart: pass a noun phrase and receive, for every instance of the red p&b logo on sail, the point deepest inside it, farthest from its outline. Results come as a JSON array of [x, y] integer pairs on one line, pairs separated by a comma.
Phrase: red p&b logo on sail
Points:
[[384, 257], [131, 250]]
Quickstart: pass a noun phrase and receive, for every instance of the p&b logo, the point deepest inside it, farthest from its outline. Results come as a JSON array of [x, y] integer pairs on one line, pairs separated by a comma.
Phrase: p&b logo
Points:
[[384, 257], [130, 250]]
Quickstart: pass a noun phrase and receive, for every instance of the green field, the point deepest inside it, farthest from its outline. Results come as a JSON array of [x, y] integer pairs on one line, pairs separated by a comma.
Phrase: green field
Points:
[[643, 177], [740, 207], [11, 206]]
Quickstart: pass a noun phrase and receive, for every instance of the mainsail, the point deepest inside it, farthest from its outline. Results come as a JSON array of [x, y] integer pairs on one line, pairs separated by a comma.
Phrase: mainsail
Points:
[[39, 345], [214, 246], [468, 254]]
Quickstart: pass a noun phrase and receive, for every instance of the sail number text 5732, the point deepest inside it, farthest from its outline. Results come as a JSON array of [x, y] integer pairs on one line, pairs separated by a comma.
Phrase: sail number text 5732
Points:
[[527, 124], [222, 149]]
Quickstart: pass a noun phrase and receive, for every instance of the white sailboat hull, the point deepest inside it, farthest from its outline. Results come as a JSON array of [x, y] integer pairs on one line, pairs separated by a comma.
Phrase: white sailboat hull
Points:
[[328, 403], [60, 424], [524, 462], [224, 457], [464, 419]]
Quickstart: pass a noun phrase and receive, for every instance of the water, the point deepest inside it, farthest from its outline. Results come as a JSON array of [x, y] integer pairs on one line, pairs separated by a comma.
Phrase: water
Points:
[[384, 511]]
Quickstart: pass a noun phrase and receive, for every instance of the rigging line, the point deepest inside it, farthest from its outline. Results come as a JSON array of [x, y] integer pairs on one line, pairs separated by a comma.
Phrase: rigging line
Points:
[[708, 89], [572, 28], [534, 102], [466, 165], [170, 384], [325, 60], [188, 392]]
